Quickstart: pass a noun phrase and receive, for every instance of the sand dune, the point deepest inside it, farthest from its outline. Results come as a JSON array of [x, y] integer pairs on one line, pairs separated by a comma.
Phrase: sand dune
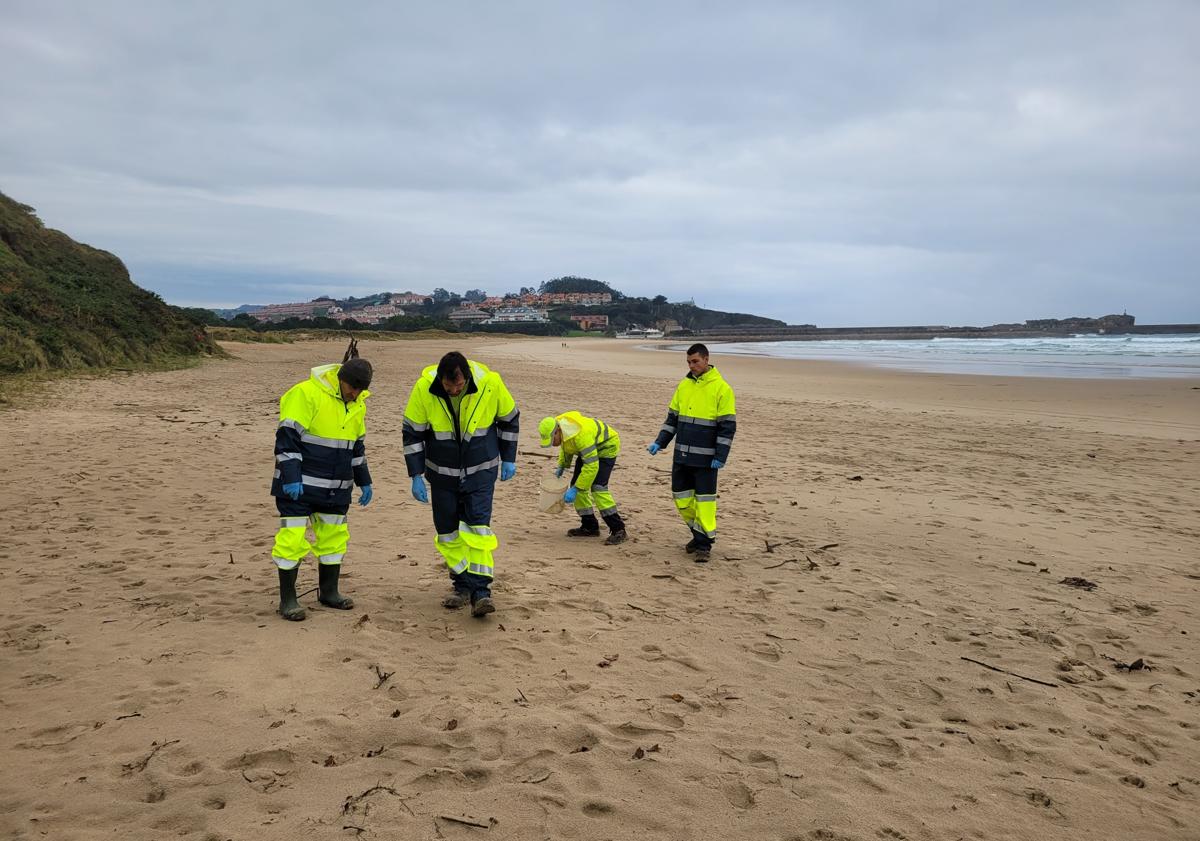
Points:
[[877, 528]]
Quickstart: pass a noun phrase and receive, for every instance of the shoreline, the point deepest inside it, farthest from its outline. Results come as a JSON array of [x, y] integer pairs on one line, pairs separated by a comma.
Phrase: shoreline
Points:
[[799, 334], [957, 360], [1159, 406]]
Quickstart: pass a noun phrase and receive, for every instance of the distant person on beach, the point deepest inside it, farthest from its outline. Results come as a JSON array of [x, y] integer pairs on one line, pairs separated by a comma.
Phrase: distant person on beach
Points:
[[460, 429], [593, 446], [320, 454], [702, 420]]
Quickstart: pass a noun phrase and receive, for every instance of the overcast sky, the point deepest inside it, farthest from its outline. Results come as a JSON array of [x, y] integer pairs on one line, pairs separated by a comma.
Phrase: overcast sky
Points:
[[829, 163]]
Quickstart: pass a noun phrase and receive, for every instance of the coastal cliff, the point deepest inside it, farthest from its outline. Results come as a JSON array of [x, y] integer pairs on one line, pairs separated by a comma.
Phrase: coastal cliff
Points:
[[65, 305]]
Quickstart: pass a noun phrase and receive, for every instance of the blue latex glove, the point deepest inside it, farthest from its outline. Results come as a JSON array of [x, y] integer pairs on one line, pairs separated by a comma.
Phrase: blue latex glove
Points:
[[365, 497], [508, 469], [653, 448], [571, 493], [559, 472], [717, 463], [419, 491], [293, 490]]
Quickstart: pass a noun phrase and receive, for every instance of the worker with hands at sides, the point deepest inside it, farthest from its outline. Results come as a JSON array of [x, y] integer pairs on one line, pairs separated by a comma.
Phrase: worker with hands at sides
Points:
[[702, 420], [460, 430], [320, 454]]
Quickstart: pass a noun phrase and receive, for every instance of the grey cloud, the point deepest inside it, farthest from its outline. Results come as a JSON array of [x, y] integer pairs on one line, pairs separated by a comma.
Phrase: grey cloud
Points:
[[943, 163]]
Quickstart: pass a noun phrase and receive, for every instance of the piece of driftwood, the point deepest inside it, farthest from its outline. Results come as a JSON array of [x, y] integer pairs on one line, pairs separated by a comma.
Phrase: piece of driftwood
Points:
[[465, 821], [130, 768], [651, 612], [382, 675], [1007, 672]]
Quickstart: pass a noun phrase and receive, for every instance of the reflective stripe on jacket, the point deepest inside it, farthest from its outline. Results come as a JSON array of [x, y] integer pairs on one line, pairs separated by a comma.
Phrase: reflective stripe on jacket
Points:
[[321, 440], [466, 447], [589, 438], [702, 419]]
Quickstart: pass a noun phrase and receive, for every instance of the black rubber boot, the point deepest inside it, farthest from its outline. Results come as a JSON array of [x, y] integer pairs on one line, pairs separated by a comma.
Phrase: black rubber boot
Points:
[[698, 541], [327, 575], [289, 607], [616, 529]]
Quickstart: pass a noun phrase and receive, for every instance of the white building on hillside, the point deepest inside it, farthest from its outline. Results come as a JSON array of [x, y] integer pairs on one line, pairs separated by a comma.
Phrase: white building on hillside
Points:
[[518, 315]]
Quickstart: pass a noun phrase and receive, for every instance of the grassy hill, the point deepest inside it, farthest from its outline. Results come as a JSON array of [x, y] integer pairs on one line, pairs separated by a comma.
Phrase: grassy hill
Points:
[[626, 311], [67, 306]]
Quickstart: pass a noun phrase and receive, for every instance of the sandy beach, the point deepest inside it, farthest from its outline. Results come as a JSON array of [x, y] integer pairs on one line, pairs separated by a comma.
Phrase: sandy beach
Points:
[[885, 537]]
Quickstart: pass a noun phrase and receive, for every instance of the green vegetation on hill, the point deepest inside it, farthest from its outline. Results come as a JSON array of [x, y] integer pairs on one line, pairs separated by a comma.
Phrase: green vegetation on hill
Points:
[[67, 306], [647, 312], [570, 283]]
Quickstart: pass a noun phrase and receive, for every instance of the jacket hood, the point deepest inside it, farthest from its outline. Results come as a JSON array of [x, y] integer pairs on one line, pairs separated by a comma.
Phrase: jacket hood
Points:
[[478, 372], [569, 424], [712, 375], [325, 378]]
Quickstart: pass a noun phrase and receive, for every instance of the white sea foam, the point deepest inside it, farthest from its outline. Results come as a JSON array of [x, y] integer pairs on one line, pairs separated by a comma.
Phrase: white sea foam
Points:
[[1083, 355]]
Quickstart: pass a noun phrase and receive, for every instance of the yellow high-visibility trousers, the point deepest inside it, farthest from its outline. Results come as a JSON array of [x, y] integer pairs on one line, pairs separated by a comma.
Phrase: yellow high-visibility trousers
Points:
[[331, 535]]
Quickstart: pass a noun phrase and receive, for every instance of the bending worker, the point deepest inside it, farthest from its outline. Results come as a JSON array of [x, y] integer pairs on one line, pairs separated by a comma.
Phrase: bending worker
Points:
[[593, 445], [460, 426], [320, 453], [702, 420]]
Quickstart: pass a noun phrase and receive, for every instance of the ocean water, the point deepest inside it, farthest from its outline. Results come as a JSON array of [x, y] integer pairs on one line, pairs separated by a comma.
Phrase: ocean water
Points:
[[1089, 356]]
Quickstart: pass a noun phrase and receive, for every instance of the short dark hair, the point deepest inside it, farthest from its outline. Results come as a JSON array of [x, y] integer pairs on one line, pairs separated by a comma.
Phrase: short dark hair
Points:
[[356, 373], [451, 364], [698, 348]]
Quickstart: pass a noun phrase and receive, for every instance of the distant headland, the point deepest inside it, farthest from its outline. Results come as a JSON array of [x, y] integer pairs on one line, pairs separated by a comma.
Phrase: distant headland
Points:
[[1123, 324]]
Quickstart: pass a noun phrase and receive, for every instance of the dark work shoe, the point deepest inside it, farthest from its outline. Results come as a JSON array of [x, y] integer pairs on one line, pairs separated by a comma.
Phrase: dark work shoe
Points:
[[616, 537], [455, 600], [483, 606], [691, 546], [582, 532], [701, 554]]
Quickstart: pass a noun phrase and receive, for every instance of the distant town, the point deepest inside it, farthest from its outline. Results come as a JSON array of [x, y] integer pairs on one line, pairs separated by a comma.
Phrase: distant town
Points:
[[477, 308]]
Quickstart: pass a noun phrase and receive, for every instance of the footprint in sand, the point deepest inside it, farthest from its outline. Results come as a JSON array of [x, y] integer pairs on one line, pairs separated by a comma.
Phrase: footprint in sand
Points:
[[265, 770], [191, 769], [670, 719], [738, 795], [824, 835], [41, 679], [765, 651], [995, 749], [598, 809], [884, 745]]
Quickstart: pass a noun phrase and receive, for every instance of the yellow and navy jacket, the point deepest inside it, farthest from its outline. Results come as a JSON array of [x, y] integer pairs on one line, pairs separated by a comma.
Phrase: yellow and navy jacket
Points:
[[591, 439], [460, 449], [702, 419], [321, 440]]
